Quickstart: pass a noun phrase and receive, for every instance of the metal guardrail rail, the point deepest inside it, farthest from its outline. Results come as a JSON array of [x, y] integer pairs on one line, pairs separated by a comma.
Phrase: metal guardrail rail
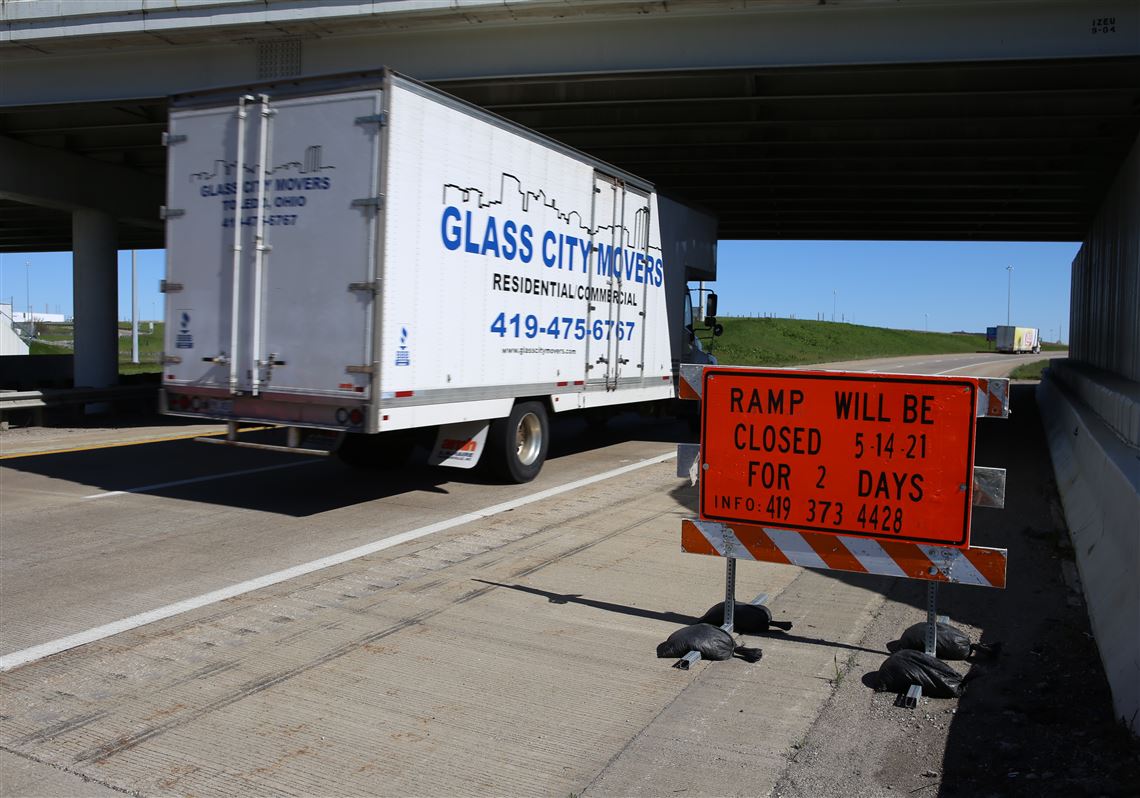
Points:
[[38, 401]]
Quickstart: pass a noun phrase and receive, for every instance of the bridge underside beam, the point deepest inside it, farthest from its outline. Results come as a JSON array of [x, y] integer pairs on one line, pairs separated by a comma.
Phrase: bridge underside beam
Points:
[[1001, 151], [42, 185]]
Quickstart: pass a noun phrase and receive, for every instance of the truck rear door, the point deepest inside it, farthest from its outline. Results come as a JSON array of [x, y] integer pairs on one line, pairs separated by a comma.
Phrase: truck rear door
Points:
[[258, 300], [619, 283]]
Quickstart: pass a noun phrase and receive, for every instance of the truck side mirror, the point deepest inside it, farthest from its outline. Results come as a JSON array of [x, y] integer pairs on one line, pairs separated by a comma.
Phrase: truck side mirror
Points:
[[710, 311]]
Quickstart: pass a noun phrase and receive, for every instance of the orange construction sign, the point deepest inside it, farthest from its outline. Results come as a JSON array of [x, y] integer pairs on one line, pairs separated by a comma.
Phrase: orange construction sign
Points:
[[844, 453]]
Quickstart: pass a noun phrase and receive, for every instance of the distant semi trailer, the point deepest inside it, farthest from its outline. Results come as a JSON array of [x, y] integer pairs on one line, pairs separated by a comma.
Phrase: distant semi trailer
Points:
[[1018, 340]]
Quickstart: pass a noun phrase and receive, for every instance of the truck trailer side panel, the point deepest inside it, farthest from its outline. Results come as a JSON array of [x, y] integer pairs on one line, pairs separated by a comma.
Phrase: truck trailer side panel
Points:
[[511, 268]]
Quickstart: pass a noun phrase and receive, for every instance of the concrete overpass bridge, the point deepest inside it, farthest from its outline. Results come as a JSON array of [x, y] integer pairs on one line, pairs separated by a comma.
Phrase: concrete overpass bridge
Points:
[[920, 119]]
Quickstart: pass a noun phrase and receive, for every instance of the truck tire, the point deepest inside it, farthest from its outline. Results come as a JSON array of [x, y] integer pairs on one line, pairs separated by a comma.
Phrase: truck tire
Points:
[[380, 451], [517, 444]]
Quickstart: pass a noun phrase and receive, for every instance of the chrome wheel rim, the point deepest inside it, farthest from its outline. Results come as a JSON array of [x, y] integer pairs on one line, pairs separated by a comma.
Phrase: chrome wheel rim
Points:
[[528, 439]]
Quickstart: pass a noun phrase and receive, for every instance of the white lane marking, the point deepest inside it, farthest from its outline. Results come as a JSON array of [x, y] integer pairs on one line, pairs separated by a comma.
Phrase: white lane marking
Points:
[[975, 365], [160, 485], [17, 658]]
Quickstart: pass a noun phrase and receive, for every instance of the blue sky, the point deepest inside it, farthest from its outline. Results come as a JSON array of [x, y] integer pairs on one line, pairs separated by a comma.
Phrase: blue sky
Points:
[[944, 286]]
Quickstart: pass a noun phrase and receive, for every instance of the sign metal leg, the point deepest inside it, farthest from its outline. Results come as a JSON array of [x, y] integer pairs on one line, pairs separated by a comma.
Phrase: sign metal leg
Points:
[[729, 594], [931, 618], [693, 657], [931, 642]]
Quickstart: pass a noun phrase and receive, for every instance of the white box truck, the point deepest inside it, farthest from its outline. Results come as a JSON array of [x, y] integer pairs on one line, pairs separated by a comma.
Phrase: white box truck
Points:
[[1018, 339], [371, 256]]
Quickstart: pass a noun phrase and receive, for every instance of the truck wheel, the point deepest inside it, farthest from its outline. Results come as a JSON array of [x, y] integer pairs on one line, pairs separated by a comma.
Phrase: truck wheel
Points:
[[518, 443], [380, 451]]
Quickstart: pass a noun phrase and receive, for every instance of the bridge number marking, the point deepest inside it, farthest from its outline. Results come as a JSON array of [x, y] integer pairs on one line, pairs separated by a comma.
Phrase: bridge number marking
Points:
[[846, 453]]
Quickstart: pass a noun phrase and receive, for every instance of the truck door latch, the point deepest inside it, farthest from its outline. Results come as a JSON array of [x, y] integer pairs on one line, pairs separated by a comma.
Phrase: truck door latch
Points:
[[372, 287], [368, 202]]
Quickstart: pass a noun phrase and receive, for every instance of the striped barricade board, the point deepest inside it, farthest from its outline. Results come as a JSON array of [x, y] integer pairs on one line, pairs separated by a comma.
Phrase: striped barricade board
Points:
[[984, 567]]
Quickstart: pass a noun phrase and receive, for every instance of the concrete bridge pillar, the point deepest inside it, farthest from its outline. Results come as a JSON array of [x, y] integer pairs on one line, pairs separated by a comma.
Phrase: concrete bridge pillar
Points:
[[95, 283]]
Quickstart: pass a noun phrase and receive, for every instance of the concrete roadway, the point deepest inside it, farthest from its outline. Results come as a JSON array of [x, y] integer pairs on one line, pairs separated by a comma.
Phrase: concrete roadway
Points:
[[502, 644]]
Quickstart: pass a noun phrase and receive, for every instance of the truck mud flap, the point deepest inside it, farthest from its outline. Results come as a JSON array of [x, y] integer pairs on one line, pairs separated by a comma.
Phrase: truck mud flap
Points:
[[460, 445]]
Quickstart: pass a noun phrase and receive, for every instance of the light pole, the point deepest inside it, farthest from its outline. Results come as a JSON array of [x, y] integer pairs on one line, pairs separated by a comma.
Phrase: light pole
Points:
[[28, 288], [925, 322], [1009, 292], [834, 299], [134, 310]]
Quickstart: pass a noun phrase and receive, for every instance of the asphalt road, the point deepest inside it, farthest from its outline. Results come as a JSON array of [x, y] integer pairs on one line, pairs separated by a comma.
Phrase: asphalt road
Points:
[[475, 639]]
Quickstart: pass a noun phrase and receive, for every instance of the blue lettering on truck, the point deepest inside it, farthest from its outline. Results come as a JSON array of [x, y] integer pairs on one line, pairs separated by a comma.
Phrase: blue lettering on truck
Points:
[[509, 240]]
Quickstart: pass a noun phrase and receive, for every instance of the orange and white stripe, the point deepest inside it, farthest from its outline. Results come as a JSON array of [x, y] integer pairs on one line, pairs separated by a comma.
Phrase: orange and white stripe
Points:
[[993, 397], [981, 566]]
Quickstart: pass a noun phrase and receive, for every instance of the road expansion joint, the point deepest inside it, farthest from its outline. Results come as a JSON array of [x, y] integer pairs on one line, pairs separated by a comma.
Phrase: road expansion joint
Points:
[[87, 779]]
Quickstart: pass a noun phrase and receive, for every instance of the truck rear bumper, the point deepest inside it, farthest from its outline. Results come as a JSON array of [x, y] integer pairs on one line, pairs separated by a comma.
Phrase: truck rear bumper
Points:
[[328, 413]]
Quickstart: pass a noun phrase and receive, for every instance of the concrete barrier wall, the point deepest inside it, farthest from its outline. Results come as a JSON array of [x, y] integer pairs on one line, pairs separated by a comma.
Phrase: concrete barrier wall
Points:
[[1115, 399], [1090, 405], [1098, 478]]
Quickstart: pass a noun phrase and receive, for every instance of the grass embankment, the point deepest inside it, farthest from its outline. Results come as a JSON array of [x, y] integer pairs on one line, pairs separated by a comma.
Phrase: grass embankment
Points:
[[1029, 371], [792, 342], [58, 339]]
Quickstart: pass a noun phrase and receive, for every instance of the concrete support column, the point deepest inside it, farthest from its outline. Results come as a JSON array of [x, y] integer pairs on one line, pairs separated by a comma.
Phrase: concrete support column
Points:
[[95, 281]]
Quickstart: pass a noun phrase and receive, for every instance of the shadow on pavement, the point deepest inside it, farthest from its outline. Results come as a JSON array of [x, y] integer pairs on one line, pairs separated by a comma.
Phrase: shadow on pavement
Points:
[[292, 484], [668, 617]]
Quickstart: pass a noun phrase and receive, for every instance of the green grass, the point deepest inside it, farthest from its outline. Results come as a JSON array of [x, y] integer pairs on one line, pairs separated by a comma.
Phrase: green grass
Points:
[[1029, 371], [41, 348], [791, 342], [150, 345]]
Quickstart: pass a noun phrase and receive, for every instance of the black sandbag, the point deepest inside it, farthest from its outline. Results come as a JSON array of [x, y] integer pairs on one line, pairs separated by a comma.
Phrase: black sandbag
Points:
[[712, 641], [747, 619], [952, 642], [906, 667]]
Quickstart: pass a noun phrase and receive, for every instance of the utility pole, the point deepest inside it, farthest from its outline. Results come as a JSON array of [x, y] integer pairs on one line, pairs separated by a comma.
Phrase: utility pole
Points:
[[925, 322], [834, 299], [134, 310], [1009, 293]]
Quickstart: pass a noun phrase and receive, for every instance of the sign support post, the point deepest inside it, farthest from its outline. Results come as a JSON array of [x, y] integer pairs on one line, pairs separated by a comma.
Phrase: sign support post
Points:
[[729, 594]]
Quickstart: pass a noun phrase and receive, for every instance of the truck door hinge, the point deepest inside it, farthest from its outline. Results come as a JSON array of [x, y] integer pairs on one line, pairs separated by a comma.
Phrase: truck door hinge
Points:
[[165, 213], [380, 119], [372, 287], [369, 202], [172, 138], [359, 369], [166, 287]]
